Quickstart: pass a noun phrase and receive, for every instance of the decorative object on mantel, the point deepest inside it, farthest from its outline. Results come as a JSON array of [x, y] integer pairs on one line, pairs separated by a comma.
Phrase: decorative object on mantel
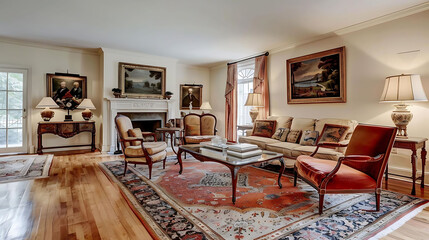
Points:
[[141, 80], [47, 103], [66, 89], [403, 88], [191, 94], [168, 95], [117, 92], [87, 105], [169, 123], [254, 100], [317, 78], [206, 106]]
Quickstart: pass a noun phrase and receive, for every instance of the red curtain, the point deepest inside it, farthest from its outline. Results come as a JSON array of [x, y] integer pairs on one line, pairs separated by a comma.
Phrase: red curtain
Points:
[[231, 103], [260, 85]]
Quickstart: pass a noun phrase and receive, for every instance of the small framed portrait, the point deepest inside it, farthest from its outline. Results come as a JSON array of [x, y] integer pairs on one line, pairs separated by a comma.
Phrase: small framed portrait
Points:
[[317, 78], [67, 90], [190, 94], [141, 80]]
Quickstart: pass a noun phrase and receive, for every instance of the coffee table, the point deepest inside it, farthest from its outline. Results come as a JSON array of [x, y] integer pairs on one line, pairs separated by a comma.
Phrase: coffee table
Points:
[[234, 164]]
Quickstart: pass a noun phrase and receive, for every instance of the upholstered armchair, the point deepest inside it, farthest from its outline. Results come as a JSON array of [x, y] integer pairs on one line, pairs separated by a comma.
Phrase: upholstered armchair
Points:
[[359, 171], [198, 128], [135, 149]]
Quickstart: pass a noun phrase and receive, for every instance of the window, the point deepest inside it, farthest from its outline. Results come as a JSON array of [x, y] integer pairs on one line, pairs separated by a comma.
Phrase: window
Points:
[[244, 87]]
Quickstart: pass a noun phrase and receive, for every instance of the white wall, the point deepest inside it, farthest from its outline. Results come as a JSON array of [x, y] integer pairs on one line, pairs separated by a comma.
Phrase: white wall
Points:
[[39, 60], [176, 74], [371, 55]]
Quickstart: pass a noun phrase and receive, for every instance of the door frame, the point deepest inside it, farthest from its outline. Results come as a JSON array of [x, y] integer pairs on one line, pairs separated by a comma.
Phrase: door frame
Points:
[[26, 125]]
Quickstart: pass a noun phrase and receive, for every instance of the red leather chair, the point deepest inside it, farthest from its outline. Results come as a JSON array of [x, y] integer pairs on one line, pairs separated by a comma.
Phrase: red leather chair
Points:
[[359, 171]]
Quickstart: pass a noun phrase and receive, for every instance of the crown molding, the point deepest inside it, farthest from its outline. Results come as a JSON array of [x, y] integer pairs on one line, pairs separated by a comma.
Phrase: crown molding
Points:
[[91, 51], [386, 18]]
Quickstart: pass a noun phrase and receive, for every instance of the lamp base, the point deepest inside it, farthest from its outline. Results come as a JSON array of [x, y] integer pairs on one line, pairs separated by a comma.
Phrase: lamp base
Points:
[[401, 116], [87, 115], [68, 118], [253, 114], [47, 115]]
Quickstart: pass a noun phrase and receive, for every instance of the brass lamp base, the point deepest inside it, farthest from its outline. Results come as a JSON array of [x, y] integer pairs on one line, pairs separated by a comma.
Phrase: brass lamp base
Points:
[[401, 116], [253, 114]]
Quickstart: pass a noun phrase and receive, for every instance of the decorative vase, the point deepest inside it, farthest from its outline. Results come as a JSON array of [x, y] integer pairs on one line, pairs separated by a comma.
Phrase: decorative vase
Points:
[[117, 94], [168, 96], [401, 116]]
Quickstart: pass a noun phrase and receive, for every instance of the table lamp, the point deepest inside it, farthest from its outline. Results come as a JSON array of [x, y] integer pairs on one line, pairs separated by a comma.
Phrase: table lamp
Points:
[[254, 100], [401, 89], [205, 106], [47, 103], [87, 105]]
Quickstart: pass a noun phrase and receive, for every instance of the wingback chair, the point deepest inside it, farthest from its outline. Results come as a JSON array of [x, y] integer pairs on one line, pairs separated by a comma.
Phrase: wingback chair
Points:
[[198, 128], [359, 171], [135, 149]]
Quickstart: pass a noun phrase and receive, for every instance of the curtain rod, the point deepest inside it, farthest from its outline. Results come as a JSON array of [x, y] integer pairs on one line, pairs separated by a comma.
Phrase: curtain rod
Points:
[[244, 59]]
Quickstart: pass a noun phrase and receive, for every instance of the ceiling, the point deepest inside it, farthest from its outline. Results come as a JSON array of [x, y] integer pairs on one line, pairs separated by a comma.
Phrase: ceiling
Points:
[[200, 32]]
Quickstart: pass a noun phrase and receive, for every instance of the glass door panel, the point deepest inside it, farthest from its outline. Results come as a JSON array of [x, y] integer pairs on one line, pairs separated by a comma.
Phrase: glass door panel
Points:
[[12, 111]]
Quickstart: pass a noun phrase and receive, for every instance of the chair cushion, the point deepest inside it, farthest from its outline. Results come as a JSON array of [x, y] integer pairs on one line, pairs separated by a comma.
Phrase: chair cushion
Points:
[[260, 141], [282, 147], [315, 170], [198, 139], [155, 158], [151, 147]]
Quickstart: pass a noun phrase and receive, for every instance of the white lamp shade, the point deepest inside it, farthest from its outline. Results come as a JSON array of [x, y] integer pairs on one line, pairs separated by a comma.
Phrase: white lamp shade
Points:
[[403, 88], [47, 102], [206, 106], [254, 100], [86, 104]]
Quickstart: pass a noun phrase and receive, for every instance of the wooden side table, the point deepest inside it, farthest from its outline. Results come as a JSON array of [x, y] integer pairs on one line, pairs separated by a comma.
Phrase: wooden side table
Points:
[[172, 132], [413, 144], [66, 130]]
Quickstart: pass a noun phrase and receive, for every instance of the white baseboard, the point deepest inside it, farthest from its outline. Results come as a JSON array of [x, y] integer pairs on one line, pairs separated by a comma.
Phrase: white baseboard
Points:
[[406, 172]]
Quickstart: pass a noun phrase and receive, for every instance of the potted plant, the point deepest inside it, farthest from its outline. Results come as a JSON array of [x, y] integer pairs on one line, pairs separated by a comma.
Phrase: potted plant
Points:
[[116, 92], [168, 94]]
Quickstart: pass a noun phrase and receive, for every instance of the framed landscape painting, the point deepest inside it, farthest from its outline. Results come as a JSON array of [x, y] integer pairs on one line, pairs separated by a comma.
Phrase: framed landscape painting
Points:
[[142, 80], [317, 78]]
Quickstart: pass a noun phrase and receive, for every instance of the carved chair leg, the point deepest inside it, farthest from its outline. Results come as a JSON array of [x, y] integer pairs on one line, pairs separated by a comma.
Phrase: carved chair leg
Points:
[[321, 199], [150, 171], [377, 201], [295, 176], [125, 169]]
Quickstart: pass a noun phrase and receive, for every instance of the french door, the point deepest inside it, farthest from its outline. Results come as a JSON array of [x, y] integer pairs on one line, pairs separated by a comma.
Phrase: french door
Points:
[[13, 98]]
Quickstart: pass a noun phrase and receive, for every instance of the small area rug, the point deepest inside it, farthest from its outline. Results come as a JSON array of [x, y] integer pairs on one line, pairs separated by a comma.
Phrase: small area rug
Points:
[[24, 167], [197, 205]]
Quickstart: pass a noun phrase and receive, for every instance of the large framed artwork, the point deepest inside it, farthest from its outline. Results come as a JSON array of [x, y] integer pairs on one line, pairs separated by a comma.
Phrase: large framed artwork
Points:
[[67, 90], [317, 78], [141, 80], [190, 94]]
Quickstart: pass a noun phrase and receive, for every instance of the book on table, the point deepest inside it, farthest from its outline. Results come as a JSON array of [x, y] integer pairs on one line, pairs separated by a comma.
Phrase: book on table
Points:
[[243, 147], [245, 154]]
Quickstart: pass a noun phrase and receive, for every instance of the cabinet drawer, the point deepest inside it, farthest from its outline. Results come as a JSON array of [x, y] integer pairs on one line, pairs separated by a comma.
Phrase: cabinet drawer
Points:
[[86, 127], [47, 128]]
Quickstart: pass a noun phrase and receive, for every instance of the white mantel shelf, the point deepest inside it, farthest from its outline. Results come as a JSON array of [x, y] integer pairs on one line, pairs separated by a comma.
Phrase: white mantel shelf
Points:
[[135, 105]]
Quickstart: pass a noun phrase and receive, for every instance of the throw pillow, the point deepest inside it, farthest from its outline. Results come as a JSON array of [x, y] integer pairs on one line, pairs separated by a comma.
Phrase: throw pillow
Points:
[[281, 134], [193, 130], [293, 136], [264, 128], [137, 133], [333, 133], [309, 138]]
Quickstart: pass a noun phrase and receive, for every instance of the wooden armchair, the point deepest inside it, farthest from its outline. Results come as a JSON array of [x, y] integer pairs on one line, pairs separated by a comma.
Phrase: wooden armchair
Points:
[[135, 149], [198, 128], [359, 171]]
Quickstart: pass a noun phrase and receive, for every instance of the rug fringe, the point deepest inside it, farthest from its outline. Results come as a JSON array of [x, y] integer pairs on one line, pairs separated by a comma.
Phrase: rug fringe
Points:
[[399, 223]]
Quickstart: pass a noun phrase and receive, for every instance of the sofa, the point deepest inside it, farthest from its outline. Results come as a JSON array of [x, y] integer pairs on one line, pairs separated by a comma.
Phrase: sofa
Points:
[[290, 150]]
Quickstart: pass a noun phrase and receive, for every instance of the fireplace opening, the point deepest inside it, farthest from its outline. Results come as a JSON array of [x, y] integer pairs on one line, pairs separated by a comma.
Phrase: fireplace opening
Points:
[[147, 122]]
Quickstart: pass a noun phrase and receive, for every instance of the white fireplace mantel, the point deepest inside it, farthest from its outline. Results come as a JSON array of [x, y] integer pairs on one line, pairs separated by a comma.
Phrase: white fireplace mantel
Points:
[[134, 105]]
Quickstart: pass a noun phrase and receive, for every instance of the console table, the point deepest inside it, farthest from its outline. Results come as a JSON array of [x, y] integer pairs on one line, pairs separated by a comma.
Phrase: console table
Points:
[[413, 144], [66, 130]]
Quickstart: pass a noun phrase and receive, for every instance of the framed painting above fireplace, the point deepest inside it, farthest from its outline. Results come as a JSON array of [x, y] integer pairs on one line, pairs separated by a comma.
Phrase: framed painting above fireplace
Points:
[[317, 78], [141, 81]]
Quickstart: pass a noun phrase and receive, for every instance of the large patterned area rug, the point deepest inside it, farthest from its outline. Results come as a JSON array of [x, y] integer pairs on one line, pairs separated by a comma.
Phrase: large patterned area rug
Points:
[[24, 167], [197, 205]]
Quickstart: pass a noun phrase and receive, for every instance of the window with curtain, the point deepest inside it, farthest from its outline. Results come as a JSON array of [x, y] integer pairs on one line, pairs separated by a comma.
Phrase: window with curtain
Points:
[[244, 87]]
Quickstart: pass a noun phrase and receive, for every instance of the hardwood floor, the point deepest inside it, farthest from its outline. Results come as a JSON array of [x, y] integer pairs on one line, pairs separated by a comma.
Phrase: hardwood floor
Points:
[[78, 201]]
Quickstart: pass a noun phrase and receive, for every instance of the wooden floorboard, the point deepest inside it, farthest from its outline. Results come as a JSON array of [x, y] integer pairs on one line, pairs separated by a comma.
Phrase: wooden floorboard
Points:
[[78, 201]]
